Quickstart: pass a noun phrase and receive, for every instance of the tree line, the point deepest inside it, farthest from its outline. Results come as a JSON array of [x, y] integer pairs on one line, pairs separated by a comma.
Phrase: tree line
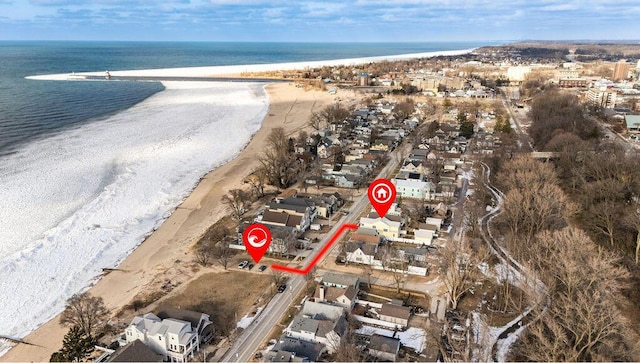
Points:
[[579, 311], [574, 222]]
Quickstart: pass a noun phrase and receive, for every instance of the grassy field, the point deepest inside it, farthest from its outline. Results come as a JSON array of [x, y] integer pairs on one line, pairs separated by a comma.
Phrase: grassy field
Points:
[[225, 296]]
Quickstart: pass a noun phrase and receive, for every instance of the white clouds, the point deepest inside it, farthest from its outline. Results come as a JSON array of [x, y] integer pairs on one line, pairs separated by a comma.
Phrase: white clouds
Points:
[[475, 19]]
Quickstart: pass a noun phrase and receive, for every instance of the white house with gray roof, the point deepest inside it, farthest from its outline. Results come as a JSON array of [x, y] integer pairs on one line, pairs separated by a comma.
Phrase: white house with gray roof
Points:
[[176, 340]]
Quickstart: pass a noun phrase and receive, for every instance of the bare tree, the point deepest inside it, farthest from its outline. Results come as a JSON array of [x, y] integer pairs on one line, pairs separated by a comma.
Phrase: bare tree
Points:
[[205, 248], [277, 277], [280, 165], [461, 269], [87, 312], [581, 322], [331, 114], [603, 219], [223, 254], [633, 220], [367, 270], [394, 263], [204, 253], [257, 180], [238, 201], [404, 109]]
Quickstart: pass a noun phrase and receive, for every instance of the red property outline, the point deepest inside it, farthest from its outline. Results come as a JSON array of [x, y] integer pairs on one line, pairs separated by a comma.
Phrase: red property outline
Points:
[[324, 249]]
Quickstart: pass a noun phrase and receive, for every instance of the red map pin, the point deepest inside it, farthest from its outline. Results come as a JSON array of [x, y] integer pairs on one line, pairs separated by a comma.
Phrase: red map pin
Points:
[[256, 238], [382, 193]]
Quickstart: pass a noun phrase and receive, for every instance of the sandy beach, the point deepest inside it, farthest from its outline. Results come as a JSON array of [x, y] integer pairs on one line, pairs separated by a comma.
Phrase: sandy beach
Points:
[[161, 255]]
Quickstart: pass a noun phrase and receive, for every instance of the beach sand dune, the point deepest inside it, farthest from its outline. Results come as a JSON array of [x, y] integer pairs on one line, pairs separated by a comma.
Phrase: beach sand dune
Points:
[[290, 108]]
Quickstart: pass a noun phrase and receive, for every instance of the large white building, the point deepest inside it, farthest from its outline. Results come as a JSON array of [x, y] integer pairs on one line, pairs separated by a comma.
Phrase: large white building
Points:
[[518, 73], [176, 340], [602, 97], [414, 188]]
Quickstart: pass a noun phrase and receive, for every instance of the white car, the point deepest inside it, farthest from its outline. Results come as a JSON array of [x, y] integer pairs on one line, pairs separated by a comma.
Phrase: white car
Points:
[[243, 264]]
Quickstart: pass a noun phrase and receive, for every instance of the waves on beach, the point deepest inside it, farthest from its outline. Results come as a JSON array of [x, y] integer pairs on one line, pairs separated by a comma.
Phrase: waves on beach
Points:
[[82, 200]]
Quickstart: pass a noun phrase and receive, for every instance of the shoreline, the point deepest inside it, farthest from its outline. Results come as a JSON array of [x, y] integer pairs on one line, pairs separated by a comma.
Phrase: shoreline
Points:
[[155, 258], [234, 70]]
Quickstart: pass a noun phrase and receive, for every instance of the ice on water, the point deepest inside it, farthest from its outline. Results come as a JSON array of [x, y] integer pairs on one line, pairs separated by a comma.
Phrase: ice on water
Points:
[[83, 199]]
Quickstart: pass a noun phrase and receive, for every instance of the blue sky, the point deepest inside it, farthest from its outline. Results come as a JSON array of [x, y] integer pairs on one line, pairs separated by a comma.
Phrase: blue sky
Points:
[[313, 21]]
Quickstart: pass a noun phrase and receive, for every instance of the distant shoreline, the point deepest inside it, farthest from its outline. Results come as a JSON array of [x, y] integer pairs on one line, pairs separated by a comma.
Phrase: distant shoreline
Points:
[[208, 73]]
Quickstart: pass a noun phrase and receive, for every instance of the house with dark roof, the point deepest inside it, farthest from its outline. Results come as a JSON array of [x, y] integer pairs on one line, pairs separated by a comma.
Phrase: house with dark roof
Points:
[[283, 219], [344, 297], [340, 280], [289, 349], [360, 252], [135, 351], [326, 204], [368, 238], [396, 314], [384, 348], [291, 212]]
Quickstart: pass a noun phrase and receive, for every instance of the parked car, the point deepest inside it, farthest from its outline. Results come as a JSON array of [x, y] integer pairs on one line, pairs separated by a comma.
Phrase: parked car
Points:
[[243, 264], [282, 287], [262, 268], [250, 266]]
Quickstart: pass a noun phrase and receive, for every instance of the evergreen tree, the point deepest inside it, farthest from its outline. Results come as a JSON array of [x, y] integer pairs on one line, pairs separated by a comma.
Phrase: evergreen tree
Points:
[[75, 346], [466, 129], [502, 125]]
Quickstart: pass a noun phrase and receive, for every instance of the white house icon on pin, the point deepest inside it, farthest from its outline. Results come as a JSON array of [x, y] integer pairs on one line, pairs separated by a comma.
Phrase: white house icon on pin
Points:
[[382, 193]]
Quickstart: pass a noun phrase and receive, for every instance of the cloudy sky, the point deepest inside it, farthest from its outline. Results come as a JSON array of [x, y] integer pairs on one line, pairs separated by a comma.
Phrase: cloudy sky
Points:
[[314, 21]]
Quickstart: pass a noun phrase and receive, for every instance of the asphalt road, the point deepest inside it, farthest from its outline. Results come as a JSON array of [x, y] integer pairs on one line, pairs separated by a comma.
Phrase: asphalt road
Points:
[[252, 338]]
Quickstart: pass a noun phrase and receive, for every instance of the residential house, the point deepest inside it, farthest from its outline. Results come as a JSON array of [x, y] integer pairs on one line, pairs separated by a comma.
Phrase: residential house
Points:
[[418, 155], [289, 349], [380, 145], [347, 180], [396, 314], [390, 216], [326, 204], [384, 226], [360, 252], [297, 206], [414, 166], [199, 321], [365, 236], [367, 232], [413, 188], [291, 212], [283, 240], [324, 149], [283, 219], [319, 322], [340, 280], [366, 165], [414, 256], [423, 236], [433, 221], [175, 340], [326, 332], [450, 165], [383, 348], [285, 356], [344, 297], [135, 351]]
